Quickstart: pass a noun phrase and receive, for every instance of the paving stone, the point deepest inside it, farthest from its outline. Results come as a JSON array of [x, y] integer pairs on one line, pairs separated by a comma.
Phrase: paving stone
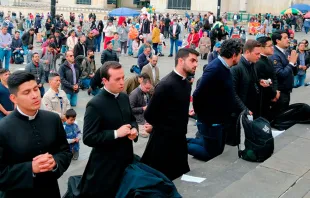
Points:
[[300, 189], [287, 166], [259, 183]]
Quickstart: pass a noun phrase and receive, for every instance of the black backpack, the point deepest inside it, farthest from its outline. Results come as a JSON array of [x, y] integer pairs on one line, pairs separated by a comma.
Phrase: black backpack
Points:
[[258, 139], [295, 113]]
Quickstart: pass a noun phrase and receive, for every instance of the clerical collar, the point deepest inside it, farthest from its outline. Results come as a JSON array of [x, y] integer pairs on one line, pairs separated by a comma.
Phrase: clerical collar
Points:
[[281, 49], [183, 78], [30, 117], [116, 95], [264, 55]]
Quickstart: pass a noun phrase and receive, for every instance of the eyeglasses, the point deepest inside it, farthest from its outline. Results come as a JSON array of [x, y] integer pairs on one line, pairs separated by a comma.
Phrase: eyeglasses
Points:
[[70, 55]]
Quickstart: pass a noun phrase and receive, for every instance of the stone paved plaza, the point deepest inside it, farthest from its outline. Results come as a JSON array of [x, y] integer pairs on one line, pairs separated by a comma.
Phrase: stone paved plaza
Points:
[[284, 174]]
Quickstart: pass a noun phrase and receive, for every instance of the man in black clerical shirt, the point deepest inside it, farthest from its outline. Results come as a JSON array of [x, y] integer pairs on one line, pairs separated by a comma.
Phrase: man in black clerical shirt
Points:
[[34, 151], [167, 112], [109, 128], [265, 70]]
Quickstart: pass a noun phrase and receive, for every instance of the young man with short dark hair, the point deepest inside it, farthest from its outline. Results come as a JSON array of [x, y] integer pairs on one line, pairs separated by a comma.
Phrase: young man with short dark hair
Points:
[[285, 68], [213, 102], [264, 70], [167, 112], [109, 128], [34, 151]]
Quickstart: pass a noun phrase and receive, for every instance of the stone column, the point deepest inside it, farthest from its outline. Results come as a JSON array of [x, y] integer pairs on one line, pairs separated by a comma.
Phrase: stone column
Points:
[[243, 5]]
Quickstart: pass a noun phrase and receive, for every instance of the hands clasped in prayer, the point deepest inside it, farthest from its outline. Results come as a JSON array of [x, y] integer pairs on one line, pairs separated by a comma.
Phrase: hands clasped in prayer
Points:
[[126, 130], [43, 163]]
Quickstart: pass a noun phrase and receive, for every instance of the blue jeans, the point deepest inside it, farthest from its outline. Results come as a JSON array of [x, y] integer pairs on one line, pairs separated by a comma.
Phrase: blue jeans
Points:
[[299, 80], [5, 54], [95, 92], [73, 99], [175, 44], [42, 91], [160, 48], [98, 42], [306, 30], [130, 47], [210, 144], [85, 82]]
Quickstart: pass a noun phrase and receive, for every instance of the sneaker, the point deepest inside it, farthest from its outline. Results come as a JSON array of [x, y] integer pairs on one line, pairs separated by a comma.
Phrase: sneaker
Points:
[[170, 55], [76, 155], [307, 84]]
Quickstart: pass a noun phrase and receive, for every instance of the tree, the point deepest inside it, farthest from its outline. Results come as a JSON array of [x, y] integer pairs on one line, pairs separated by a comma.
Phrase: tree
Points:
[[53, 9]]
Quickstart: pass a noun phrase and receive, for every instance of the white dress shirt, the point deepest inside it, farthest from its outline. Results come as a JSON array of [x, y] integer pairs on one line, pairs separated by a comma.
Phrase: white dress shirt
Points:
[[283, 51]]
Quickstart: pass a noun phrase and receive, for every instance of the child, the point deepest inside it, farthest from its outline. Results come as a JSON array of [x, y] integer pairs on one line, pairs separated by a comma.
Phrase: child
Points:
[[73, 132], [29, 54], [160, 45], [135, 47], [116, 44]]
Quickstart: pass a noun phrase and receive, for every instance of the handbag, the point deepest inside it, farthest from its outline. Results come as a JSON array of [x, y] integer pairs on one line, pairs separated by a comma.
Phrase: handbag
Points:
[[193, 46]]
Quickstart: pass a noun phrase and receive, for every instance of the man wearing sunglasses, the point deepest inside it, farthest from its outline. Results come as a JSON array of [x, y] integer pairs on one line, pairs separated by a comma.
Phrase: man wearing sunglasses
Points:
[[69, 75], [265, 70]]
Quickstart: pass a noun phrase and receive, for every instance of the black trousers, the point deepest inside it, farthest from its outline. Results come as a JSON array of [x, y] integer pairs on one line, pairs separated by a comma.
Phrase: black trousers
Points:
[[282, 104]]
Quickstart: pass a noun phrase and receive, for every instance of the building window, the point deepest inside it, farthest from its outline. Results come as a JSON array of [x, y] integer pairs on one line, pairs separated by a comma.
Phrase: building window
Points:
[[84, 2], [111, 2], [179, 4]]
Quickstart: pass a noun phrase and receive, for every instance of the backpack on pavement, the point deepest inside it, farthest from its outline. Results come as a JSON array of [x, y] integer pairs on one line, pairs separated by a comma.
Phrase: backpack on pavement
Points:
[[256, 138]]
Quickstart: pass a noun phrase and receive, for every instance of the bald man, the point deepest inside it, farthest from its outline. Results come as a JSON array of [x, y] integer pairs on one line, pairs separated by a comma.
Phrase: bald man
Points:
[[152, 70]]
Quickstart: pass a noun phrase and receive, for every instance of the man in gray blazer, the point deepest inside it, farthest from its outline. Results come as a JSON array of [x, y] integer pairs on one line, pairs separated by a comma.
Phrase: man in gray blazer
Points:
[[139, 99], [152, 70]]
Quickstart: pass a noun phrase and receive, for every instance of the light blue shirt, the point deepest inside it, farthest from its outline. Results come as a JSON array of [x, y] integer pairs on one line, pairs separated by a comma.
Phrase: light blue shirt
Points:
[[5, 39], [224, 62]]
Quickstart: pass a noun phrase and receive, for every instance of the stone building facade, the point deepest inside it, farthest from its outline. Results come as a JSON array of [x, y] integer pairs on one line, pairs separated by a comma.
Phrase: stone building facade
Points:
[[248, 6]]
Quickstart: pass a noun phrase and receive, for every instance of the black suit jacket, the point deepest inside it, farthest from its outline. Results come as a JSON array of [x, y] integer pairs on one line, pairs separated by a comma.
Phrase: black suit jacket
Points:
[[284, 70], [109, 156], [177, 32]]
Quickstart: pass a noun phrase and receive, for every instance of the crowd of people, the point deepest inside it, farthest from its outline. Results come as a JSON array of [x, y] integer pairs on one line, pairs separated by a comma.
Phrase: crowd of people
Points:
[[256, 76]]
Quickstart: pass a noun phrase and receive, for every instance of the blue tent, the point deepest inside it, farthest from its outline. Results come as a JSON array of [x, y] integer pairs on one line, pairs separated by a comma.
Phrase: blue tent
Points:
[[301, 7], [124, 12]]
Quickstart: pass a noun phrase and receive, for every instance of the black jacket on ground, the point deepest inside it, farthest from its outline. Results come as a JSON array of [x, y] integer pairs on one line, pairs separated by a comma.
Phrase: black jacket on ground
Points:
[[21, 140], [109, 157], [109, 55]]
